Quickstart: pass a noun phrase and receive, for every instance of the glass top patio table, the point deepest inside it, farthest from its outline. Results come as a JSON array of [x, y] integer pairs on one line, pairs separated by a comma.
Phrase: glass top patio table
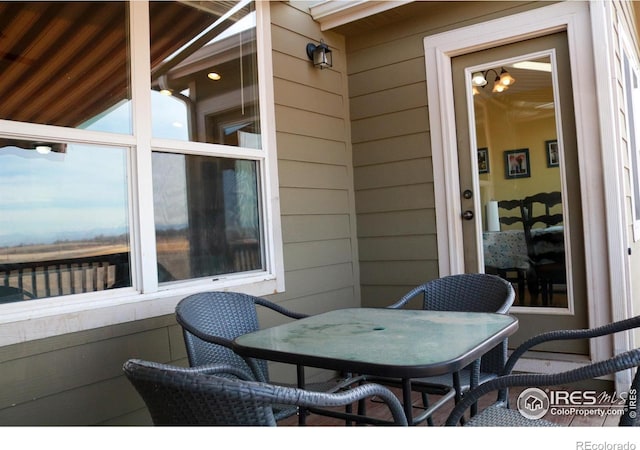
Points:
[[395, 343]]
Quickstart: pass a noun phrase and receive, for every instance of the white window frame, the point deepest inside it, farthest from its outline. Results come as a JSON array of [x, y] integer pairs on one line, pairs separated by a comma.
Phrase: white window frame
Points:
[[632, 99], [42, 318]]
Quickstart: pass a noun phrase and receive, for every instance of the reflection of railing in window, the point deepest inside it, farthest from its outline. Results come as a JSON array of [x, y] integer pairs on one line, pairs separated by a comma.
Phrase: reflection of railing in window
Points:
[[246, 255], [52, 278]]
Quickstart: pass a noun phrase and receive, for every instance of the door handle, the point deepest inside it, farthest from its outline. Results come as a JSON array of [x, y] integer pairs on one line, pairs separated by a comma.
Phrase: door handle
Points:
[[467, 215]]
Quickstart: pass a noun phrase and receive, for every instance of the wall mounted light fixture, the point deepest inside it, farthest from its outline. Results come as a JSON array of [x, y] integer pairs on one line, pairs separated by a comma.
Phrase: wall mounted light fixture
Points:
[[320, 55], [500, 84]]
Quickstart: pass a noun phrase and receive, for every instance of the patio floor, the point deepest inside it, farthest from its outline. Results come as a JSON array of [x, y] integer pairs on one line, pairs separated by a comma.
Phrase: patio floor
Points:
[[379, 410]]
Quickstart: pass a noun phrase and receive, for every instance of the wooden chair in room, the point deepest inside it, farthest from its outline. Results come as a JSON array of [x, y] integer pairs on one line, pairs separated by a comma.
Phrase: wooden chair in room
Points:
[[514, 274], [545, 245]]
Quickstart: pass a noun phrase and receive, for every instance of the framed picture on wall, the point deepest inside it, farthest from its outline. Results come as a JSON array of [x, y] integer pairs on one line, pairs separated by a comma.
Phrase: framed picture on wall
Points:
[[516, 163], [553, 159], [483, 160]]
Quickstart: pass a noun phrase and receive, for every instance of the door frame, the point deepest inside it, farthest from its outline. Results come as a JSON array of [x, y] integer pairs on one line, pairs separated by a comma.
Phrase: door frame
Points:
[[574, 17]]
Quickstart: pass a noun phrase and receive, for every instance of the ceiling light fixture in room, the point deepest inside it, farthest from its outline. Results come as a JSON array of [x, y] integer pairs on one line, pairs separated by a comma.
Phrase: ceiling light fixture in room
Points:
[[501, 82]]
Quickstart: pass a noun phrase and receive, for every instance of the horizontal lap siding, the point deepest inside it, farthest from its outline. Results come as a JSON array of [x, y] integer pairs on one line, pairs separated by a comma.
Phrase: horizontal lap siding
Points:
[[315, 169], [393, 172], [314, 159], [76, 379]]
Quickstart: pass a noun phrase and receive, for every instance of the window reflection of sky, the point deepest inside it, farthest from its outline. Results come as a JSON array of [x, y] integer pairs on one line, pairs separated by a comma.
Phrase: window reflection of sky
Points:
[[169, 118], [74, 195], [82, 193]]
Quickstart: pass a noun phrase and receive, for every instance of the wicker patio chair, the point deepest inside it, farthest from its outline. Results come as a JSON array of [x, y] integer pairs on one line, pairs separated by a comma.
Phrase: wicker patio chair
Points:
[[224, 395], [211, 320], [499, 414], [473, 292]]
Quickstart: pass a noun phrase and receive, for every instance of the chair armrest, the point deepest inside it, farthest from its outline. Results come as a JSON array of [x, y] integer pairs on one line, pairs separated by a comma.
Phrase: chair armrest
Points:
[[258, 375], [406, 297], [202, 335], [215, 369], [275, 307], [563, 335], [623, 361], [210, 369], [311, 399]]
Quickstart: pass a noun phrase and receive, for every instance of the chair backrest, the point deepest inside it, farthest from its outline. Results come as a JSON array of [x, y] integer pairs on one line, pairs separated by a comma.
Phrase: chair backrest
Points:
[[473, 292], [508, 206], [224, 315], [187, 396], [536, 209], [223, 395]]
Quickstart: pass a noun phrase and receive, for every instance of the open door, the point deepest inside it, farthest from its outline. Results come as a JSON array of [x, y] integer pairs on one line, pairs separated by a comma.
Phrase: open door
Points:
[[519, 180]]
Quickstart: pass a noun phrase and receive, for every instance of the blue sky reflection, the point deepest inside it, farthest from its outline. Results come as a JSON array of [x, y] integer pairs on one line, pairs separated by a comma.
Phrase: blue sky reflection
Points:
[[62, 196], [82, 193]]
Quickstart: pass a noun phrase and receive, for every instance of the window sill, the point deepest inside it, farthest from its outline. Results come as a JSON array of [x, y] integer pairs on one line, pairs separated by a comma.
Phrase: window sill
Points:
[[38, 319]]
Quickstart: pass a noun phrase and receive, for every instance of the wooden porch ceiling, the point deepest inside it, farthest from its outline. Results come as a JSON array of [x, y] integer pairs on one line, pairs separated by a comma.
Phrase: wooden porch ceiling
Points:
[[62, 63]]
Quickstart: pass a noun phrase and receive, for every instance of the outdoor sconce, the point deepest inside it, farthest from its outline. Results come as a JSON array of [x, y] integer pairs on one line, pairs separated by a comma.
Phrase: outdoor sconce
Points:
[[320, 55]]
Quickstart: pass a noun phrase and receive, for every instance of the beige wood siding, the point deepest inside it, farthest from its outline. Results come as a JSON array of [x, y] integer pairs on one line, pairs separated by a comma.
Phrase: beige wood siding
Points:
[[76, 379], [393, 174], [314, 165], [315, 170]]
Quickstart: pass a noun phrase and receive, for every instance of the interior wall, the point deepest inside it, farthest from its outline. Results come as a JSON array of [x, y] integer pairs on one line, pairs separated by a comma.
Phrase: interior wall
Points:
[[494, 185]]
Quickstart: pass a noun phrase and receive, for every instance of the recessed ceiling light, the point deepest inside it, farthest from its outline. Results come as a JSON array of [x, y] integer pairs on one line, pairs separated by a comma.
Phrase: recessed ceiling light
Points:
[[43, 149], [214, 76], [533, 65]]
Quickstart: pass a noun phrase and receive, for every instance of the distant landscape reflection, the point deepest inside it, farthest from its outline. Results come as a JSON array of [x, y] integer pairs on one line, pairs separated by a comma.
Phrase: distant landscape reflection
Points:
[[63, 206]]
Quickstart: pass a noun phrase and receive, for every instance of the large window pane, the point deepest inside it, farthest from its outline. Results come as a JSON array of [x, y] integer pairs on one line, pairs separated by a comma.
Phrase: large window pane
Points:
[[66, 64], [207, 219], [204, 72], [64, 224]]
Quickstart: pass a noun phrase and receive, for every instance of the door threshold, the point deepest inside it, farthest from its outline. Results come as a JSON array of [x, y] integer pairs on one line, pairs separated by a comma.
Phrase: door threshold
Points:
[[550, 362]]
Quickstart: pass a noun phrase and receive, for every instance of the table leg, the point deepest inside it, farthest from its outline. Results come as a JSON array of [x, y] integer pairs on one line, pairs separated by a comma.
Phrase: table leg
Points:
[[473, 383], [302, 413], [406, 400], [458, 392]]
